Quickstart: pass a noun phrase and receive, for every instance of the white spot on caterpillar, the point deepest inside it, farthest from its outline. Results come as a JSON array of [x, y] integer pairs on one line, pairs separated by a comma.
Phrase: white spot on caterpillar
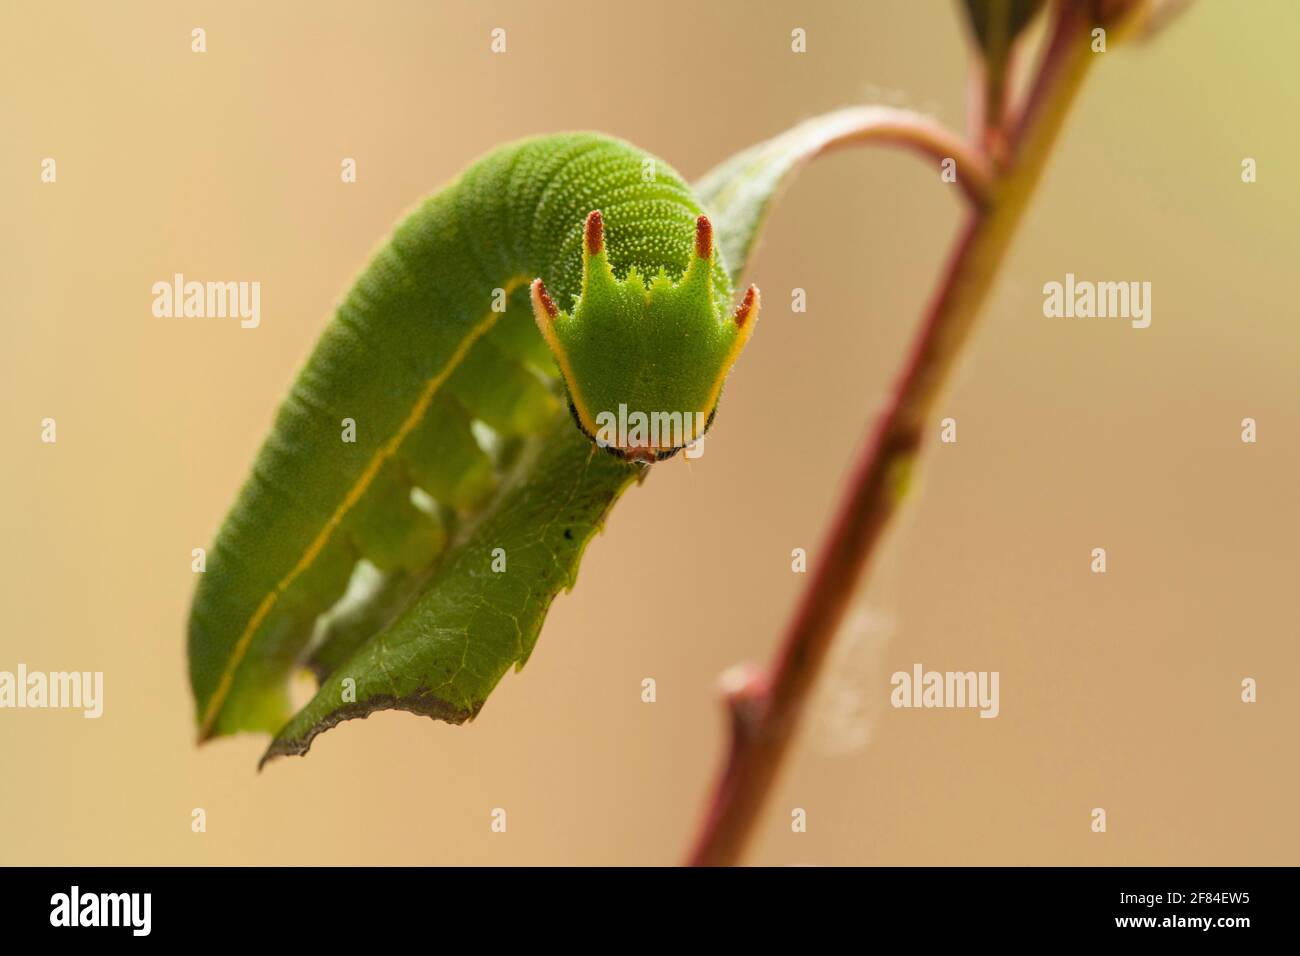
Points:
[[199, 40]]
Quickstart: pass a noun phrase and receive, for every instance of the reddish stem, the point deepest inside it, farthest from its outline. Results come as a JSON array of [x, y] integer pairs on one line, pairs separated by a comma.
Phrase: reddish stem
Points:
[[765, 706]]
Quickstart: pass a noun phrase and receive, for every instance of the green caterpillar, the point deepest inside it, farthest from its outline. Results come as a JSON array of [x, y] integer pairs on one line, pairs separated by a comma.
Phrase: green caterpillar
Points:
[[645, 348], [436, 336]]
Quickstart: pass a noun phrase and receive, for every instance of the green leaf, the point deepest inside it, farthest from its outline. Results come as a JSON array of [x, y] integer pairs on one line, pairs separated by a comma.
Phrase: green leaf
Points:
[[740, 191], [382, 623], [480, 612]]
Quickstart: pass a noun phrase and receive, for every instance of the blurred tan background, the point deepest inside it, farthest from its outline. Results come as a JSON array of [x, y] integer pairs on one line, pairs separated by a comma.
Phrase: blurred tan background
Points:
[[1118, 691]]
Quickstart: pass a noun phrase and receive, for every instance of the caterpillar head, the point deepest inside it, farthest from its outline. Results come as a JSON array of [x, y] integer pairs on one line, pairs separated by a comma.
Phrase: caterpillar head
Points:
[[644, 359]]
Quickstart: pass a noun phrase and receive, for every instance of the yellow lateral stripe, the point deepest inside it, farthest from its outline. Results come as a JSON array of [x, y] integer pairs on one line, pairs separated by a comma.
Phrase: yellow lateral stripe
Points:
[[733, 353], [546, 327], [353, 496]]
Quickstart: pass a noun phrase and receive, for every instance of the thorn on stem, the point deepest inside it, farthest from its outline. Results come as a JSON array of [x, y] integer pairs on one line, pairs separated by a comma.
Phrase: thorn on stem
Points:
[[744, 690]]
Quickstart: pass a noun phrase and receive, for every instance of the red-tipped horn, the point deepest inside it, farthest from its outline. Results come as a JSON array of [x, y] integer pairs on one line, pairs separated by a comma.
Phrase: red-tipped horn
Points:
[[748, 307], [593, 237], [542, 302], [703, 237]]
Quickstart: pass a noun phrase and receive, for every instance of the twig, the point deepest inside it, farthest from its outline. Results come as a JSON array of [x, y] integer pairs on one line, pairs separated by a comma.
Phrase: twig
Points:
[[765, 706], [887, 125]]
